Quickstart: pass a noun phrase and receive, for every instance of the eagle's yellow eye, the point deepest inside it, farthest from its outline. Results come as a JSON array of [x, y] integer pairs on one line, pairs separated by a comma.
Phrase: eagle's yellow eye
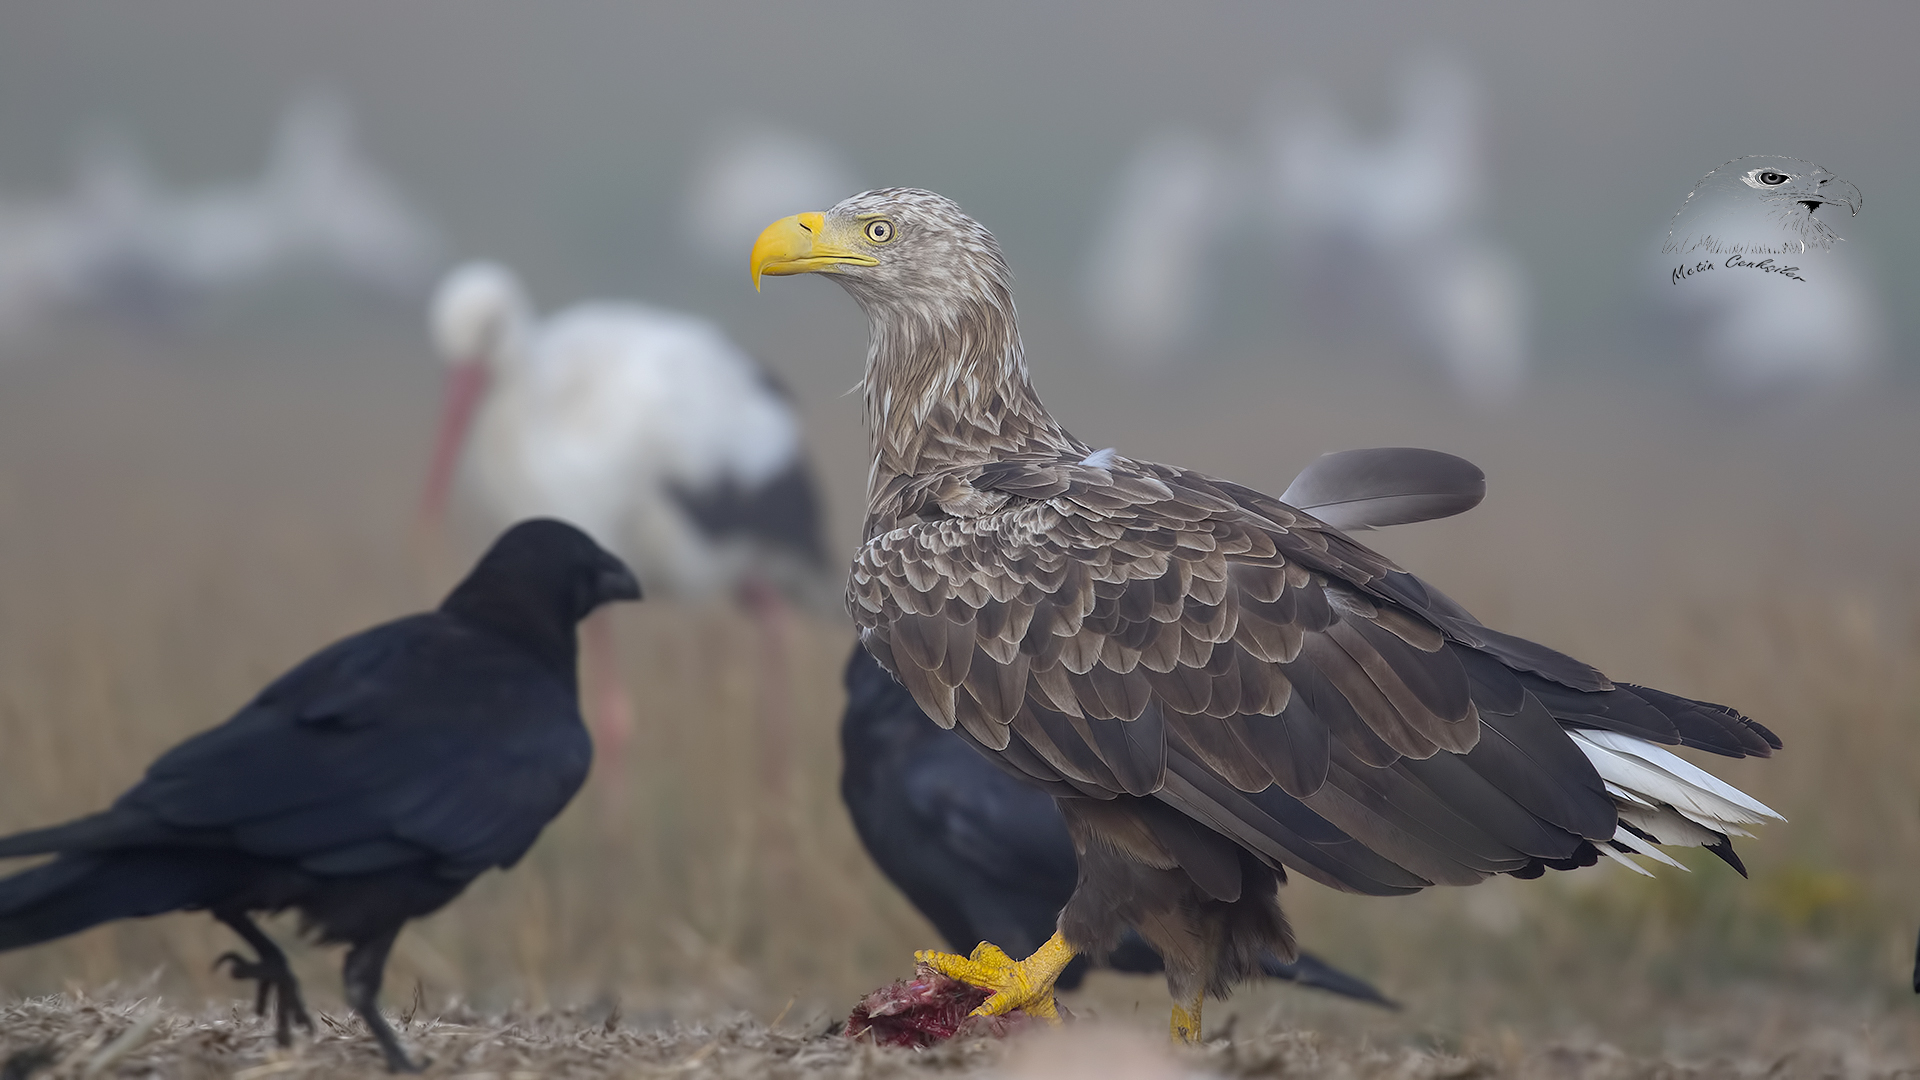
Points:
[[879, 230]]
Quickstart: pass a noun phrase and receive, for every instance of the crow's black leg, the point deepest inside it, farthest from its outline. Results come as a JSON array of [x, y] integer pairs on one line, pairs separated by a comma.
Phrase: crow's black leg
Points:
[[366, 965], [270, 970]]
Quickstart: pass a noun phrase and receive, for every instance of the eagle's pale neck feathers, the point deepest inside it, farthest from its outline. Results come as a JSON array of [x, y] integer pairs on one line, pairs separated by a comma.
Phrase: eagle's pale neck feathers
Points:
[[946, 380]]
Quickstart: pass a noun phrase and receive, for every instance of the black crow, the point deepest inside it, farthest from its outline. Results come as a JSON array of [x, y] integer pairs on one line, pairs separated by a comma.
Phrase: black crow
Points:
[[983, 855], [365, 787]]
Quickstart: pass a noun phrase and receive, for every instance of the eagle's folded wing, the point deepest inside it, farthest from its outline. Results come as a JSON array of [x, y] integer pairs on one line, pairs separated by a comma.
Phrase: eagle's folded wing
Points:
[[1136, 630]]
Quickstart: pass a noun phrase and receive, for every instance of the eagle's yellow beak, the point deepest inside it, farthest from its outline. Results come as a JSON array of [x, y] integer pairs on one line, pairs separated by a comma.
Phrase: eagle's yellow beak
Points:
[[800, 245]]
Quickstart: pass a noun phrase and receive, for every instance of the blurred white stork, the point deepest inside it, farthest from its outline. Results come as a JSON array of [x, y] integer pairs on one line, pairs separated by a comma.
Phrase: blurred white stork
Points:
[[1174, 199], [1404, 212], [650, 430], [121, 244], [319, 204], [70, 253]]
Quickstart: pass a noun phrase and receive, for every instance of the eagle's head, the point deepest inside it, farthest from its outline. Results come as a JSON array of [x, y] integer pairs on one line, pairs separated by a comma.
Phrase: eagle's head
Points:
[[1761, 203], [946, 378], [894, 250]]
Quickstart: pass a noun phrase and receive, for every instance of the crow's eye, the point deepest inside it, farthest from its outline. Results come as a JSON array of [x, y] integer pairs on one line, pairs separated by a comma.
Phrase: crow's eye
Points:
[[1771, 178], [879, 230]]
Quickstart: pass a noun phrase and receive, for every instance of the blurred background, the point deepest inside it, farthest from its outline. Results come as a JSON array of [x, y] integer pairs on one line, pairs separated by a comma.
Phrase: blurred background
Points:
[[1242, 237]]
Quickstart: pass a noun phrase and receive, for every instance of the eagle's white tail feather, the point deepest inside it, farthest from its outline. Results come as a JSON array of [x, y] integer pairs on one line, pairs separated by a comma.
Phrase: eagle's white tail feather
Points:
[[1665, 797], [1667, 827], [1623, 860], [1650, 774], [1624, 795], [1641, 846]]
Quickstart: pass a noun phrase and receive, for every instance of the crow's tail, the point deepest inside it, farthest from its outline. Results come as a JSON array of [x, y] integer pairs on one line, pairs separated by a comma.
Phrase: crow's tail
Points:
[[1134, 955], [1310, 970], [74, 892]]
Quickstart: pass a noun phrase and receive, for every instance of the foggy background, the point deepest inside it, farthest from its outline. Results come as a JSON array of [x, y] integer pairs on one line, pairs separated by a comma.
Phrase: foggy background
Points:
[[562, 138], [190, 502], [559, 136]]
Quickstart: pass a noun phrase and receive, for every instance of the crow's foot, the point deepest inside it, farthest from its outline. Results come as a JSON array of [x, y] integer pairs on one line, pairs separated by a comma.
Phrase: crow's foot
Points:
[[275, 981]]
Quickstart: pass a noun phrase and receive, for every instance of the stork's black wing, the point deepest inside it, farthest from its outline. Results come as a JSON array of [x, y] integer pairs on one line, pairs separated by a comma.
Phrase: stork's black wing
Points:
[[782, 513]]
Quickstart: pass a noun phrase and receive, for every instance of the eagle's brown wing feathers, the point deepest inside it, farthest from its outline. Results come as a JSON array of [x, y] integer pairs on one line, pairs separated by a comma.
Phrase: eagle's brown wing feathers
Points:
[[1143, 631]]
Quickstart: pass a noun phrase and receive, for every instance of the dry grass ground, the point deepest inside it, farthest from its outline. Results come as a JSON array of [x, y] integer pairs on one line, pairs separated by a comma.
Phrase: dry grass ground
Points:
[[80, 1037], [176, 528]]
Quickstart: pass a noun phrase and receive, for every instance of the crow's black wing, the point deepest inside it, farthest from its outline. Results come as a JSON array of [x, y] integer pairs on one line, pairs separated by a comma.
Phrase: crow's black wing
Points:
[[419, 740], [983, 855], [901, 765], [1008, 830]]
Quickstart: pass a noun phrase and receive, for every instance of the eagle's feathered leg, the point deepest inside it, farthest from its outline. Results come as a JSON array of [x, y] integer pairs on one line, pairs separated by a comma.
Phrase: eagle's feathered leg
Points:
[[1016, 984], [1210, 910]]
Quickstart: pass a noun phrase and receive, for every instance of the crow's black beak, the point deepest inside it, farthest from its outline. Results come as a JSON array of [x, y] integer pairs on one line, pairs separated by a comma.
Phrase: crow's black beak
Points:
[[616, 582]]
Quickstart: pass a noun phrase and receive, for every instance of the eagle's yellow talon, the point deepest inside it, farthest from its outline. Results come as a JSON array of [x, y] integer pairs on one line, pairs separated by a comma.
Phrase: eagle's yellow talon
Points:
[[988, 953], [1185, 1027], [1016, 984]]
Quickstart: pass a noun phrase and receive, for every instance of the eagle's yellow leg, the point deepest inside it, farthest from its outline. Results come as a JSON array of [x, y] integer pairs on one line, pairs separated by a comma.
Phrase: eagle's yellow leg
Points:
[[1016, 984], [1186, 1020]]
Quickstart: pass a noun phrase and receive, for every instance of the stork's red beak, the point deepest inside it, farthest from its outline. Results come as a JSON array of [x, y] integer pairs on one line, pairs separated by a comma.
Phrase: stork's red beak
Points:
[[466, 385]]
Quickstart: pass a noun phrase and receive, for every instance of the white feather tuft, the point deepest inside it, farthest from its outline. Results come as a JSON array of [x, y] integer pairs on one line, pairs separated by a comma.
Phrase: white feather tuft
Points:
[[1667, 827], [1652, 771], [1665, 797], [1640, 846], [1607, 850]]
